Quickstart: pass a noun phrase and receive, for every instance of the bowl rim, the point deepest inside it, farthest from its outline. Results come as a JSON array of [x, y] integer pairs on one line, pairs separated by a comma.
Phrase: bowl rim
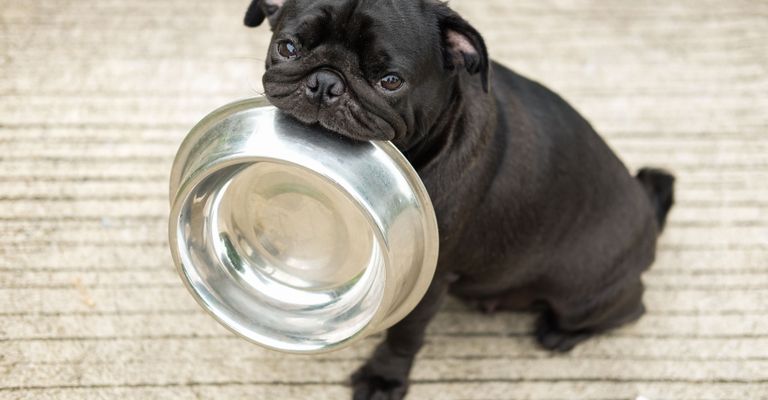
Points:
[[185, 177]]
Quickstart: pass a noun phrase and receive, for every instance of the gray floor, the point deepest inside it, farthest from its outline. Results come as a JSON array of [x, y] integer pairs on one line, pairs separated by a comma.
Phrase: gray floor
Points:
[[96, 95]]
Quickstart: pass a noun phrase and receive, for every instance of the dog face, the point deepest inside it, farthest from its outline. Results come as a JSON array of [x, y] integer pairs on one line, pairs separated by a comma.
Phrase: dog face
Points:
[[367, 69]]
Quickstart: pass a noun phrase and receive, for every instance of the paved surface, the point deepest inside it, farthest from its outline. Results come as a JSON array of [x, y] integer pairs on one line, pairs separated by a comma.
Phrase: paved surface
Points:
[[96, 95]]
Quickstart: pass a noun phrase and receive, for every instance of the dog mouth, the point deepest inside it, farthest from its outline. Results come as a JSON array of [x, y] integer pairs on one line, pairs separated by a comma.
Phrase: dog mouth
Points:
[[340, 110]]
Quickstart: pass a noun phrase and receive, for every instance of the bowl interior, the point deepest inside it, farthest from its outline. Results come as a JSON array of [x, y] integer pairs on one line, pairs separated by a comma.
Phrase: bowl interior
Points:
[[281, 255]]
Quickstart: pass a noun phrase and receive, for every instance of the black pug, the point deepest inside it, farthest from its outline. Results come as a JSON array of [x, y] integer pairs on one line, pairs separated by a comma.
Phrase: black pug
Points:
[[534, 209]]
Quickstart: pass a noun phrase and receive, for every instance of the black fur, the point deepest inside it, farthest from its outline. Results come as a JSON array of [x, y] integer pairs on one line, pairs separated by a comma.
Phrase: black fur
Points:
[[259, 10], [254, 16], [534, 209], [659, 185]]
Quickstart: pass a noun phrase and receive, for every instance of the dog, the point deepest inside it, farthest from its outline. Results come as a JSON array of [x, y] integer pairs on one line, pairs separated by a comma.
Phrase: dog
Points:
[[534, 209]]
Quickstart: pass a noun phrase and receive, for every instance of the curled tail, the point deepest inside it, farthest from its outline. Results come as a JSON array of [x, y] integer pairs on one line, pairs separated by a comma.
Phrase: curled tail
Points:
[[660, 187]]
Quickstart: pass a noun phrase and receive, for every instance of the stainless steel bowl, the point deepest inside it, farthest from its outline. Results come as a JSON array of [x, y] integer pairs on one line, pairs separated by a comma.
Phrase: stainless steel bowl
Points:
[[295, 238]]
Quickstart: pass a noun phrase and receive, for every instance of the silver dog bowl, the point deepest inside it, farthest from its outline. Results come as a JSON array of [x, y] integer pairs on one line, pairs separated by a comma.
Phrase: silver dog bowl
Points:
[[295, 238]]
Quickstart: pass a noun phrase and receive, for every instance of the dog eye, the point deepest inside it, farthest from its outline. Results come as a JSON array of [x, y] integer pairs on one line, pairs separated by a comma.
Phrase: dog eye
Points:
[[391, 82], [287, 49]]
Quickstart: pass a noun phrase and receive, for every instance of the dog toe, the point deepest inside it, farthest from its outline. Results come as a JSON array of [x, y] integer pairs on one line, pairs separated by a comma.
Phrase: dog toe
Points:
[[552, 338], [367, 385]]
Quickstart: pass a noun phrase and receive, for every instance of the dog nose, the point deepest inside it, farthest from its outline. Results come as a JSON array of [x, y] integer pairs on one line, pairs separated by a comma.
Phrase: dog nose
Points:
[[324, 87]]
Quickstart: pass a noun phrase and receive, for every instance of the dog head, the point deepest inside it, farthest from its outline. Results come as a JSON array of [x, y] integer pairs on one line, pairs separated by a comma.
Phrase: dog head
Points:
[[367, 69]]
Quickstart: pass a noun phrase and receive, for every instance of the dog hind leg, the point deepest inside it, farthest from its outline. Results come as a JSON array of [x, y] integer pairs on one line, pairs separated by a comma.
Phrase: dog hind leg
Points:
[[564, 324]]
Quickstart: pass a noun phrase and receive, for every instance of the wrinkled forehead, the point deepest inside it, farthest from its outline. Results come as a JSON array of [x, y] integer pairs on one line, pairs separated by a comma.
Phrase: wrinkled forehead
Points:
[[380, 28]]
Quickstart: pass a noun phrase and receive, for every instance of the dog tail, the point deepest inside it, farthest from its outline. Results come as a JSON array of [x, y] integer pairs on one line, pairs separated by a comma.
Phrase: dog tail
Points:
[[660, 187]]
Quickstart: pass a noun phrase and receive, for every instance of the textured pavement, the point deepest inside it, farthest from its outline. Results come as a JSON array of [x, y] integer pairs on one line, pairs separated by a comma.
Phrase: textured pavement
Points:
[[95, 97]]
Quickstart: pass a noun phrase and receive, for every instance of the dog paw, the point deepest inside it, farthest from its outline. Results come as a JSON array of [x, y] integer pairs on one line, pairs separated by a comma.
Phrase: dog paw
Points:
[[367, 385], [552, 338]]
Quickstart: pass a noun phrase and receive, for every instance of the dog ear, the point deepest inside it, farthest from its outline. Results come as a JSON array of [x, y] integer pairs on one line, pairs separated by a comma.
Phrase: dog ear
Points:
[[260, 9], [462, 44]]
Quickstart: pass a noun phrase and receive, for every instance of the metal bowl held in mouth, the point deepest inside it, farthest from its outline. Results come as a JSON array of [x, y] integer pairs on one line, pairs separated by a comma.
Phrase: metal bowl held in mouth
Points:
[[296, 238]]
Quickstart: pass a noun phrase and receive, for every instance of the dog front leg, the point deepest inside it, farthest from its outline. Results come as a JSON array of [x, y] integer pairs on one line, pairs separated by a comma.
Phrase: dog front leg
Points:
[[385, 375]]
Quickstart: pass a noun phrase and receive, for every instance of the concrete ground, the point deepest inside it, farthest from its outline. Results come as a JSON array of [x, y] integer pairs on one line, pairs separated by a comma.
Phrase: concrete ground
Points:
[[95, 97]]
